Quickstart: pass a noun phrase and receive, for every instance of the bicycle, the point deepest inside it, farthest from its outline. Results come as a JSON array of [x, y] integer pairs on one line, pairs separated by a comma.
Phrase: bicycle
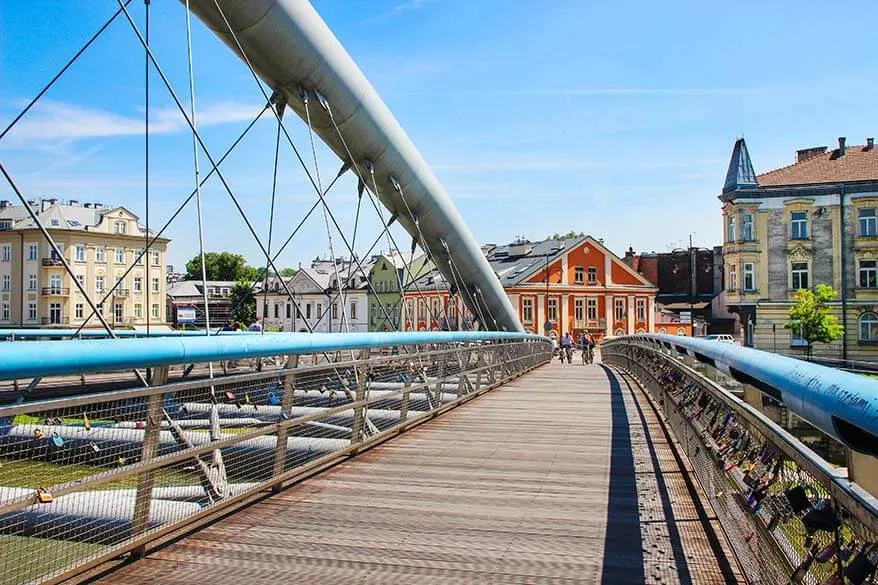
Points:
[[587, 355]]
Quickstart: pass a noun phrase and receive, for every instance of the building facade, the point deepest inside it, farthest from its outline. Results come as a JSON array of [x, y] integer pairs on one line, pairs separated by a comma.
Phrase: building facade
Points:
[[323, 305], [184, 294], [390, 275], [99, 245], [812, 222], [556, 286]]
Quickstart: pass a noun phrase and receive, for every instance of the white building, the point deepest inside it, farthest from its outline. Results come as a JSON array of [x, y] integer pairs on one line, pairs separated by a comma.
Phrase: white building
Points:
[[321, 304]]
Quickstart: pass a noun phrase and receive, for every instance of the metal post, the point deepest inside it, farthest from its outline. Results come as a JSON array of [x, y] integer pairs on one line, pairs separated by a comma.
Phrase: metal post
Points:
[[149, 449], [406, 397], [359, 411], [439, 389], [286, 408]]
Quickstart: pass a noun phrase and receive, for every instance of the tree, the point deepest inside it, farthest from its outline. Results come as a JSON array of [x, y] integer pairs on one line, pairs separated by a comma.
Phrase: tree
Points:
[[810, 318], [220, 266], [569, 235], [287, 272], [241, 296]]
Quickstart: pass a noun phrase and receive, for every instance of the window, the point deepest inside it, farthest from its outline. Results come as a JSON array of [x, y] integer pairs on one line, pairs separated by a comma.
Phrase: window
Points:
[[54, 313], [138, 284], [138, 311], [527, 310], [276, 310], [747, 227], [308, 311], [4, 312], [592, 275], [155, 285], [354, 308], [55, 283], [5, 224], [553, 310], [733, 277], [579, 274], [54, 222], [578, 309], [139, 256], [79, 253], [797, 336], [155, 257], [120, 255], [7, 282], [799, 225], [319, 310], [591, 309], [868, 274], [80, 278], [99, 283], [620, 309], [289, 310], [32, 311], [335, 310], [749, 276], [79, 309], [155, 311], [640, 309], [33, 250], [800, 274], [869, 327], [868, 222], [7, 253], [121, 227], [100, 254], [118, 313], [31, 282], [732, 227]]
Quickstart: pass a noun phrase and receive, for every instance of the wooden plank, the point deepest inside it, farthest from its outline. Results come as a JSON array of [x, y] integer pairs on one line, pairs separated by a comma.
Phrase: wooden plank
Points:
[[514, 487]]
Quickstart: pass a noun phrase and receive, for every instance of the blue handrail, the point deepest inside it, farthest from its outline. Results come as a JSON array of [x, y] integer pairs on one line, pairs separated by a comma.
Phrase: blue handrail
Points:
[[53, 358], [842, 404]]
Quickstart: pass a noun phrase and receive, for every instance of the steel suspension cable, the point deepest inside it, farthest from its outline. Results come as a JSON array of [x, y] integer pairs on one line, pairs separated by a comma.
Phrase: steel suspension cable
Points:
[[176, 213], [146, 165], [279, 106]]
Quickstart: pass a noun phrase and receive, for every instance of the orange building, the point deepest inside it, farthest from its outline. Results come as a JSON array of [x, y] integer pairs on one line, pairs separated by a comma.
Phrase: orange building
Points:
[[557, 286]]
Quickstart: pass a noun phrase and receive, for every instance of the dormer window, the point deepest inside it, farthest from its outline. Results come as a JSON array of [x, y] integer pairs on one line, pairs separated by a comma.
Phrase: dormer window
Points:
[[121, 227]]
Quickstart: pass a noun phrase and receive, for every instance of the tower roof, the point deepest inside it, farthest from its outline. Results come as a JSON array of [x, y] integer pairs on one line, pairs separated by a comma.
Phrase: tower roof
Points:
[[740, 174]]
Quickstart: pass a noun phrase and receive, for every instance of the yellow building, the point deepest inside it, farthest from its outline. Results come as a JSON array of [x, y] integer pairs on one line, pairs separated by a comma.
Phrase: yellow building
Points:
[[99, 244], [812, 222]]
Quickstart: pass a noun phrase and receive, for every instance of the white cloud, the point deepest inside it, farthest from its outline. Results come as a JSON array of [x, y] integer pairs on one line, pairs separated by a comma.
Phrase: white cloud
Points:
[[63, 122], [409, 6]]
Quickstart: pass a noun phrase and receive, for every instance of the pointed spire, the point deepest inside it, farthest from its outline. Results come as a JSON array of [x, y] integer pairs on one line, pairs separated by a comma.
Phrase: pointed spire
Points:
[[740, 174]]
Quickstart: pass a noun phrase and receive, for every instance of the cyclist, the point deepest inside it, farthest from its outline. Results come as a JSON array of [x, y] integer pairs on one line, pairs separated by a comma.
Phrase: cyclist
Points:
[[587, 344], [567, 348]]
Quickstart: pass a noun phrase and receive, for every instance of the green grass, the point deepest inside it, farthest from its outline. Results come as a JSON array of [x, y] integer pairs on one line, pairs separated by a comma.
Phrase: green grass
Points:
[[31, 474], [25, 559]]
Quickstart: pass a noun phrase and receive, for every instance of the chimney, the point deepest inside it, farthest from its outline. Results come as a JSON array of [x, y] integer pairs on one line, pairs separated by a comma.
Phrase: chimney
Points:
[[73, 203], [841, 141], [44, 204], [4, 204], [870, 143], [98, 205], [807, 153], [87, 205]]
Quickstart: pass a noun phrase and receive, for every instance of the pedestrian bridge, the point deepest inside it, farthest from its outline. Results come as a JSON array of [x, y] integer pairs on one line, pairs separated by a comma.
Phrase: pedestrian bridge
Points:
[[413, 458]]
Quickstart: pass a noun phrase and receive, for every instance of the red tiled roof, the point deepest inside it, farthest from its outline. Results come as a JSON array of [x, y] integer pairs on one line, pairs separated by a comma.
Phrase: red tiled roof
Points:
[[858, 164]]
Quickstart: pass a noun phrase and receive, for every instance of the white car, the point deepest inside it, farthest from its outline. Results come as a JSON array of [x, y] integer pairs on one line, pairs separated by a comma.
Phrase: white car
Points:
[[721, 338]]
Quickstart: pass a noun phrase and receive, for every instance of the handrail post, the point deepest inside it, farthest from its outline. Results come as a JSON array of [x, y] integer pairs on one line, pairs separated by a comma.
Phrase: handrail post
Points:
[[286, 408], [439, 388], [406, 393], [149, 449], [360, 409]]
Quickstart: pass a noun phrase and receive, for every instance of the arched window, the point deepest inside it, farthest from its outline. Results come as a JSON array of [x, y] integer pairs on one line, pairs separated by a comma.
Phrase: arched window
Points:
[[868, 327], [681, 331], [662, 330], [619, 332], [641, 330]]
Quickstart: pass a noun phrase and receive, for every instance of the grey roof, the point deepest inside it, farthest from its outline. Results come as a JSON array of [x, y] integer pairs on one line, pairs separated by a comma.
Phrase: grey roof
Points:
[[740, 174], [192, 288], [513, 263], [59, 216]]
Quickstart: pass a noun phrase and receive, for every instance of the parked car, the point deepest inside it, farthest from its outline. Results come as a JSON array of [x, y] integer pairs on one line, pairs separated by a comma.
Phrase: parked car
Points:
[[721, 338]]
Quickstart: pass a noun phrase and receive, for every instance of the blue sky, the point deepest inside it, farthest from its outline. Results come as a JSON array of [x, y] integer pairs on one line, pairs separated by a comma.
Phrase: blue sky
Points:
[[616, 119]]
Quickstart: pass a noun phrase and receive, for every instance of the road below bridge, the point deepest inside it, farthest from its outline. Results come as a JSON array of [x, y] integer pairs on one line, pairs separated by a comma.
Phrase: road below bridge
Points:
[[564, 475]]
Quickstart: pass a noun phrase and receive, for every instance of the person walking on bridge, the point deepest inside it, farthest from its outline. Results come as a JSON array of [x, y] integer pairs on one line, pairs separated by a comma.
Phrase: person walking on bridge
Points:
[[567, 348]]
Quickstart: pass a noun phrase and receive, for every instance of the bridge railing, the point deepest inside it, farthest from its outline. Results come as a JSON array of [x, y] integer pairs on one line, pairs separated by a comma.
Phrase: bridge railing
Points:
[[87, 478], [787, 513]]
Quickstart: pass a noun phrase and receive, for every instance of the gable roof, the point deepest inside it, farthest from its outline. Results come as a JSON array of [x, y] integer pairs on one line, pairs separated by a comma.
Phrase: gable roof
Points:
[[740, 174], [857, 164]]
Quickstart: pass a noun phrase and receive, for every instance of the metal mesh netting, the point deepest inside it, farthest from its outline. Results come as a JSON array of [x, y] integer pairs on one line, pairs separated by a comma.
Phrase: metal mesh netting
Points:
[[777, 507], [93, 476]]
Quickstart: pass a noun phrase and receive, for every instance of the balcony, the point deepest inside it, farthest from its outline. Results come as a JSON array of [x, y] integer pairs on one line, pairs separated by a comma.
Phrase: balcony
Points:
[[52, 261], [57, 321], [122, 292], [55, 291]]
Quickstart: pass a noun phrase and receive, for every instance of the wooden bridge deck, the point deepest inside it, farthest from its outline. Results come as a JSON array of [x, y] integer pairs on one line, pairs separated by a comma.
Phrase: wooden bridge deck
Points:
[[563, 476]]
